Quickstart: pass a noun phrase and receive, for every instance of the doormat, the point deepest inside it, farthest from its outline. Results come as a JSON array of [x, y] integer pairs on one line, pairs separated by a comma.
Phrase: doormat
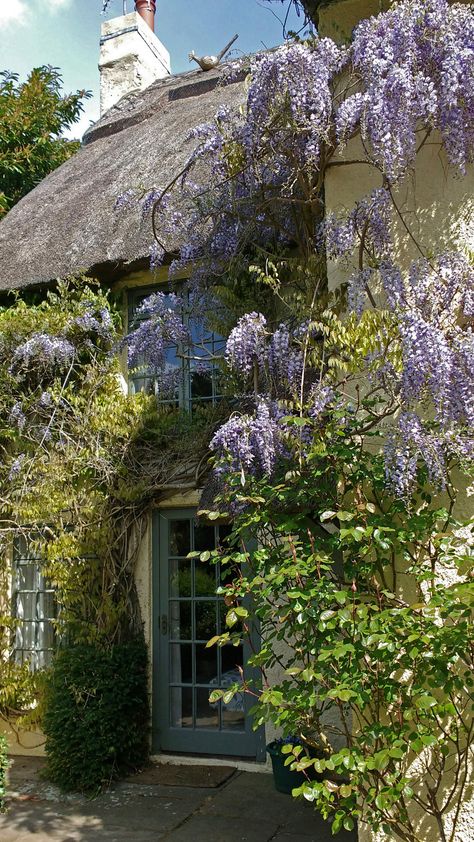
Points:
[[168, 774]]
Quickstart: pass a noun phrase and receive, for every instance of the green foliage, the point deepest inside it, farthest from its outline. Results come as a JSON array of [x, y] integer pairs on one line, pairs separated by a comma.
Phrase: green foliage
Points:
[[81, 464], [374, 600], [96, 715], [3, 771], [33, 115]]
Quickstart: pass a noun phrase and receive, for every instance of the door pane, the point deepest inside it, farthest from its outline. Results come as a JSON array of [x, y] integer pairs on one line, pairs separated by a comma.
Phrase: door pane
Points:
[[180, 620], [180, 537], [180, 577], [206, 620], [204, 537], [205, 578], [207, 715], [181, 707], [181, 663], [206, 664]]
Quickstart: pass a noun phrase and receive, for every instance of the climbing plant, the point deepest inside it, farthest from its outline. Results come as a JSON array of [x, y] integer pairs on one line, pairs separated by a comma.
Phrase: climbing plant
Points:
[[351, 453], [82, 462]]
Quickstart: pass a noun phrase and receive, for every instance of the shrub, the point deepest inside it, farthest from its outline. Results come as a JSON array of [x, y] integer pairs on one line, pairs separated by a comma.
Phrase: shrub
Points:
[[96, 715], [3, 771]]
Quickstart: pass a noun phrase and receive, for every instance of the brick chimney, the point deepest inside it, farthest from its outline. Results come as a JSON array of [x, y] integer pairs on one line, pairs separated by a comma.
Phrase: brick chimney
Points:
[[131, 56]]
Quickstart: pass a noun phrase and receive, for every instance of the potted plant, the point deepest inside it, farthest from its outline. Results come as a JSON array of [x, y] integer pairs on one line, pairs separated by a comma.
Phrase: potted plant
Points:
[[285, 778]]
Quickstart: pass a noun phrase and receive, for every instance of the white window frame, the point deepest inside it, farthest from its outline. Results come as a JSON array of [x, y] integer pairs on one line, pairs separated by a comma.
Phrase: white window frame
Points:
[[34, 609], [141, 381]]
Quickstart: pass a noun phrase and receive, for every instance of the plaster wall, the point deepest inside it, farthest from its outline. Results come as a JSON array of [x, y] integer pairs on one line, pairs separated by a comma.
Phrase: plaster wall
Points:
[[439, 209]]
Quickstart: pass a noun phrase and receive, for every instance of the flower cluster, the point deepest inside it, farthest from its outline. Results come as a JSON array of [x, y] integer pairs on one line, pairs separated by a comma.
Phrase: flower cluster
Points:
[[437, 346], [408, 445], [273, 357], [246, 345], [416, 66], [160, 325], [249, 444], [43, 351], [94, 321]]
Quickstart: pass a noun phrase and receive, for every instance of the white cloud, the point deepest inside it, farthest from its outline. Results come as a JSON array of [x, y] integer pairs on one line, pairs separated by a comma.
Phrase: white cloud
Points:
[[54, 5], [12, 12]]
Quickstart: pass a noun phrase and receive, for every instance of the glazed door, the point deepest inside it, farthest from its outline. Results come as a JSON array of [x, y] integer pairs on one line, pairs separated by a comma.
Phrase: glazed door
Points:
[[187, 614]]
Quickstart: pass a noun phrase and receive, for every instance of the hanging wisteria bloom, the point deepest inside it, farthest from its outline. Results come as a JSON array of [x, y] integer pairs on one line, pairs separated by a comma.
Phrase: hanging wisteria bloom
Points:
[[160, 326], [249, 444], [246, 345], [437, 344], [43, 351], [410, 444], [415, 64]]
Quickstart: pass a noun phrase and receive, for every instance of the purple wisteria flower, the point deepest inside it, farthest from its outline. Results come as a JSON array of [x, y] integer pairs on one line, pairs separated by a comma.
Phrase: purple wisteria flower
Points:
[[285, 361], [15, 468], [410, 444], [246, 344], [437, 348], [161, 326], [320, 398], [416, 66], [17, 416], [249, 444], [43, 351]]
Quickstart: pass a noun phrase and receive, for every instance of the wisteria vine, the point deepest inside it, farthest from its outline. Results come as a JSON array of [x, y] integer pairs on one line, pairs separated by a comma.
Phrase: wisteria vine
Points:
[[407, 76]]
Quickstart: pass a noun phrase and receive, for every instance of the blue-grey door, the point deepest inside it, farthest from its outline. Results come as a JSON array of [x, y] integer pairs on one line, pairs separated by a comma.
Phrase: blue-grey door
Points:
[[187, 613]]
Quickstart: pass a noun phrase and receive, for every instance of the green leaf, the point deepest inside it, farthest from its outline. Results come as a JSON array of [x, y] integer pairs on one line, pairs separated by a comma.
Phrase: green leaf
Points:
[[327, 516]]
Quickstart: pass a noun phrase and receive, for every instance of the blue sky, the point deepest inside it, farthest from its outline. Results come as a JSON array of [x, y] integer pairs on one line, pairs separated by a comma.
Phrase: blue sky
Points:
[[65, 33]]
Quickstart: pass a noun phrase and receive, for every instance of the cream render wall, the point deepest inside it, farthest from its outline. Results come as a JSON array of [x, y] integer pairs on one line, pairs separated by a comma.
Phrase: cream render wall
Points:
[[439, 208]]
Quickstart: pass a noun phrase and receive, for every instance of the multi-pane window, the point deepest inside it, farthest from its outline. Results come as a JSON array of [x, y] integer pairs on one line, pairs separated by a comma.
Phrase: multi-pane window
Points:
[[192, 371], [34, 609]]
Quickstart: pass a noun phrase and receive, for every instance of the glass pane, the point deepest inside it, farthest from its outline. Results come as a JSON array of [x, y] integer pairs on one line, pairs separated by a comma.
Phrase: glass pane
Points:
[[181, 664], [180, 537], [232, 711], [232, 657], [181, 577], [181, 707], [223, 533], [205, 578], [204, 537], [25, 636], [45, 635], [26, 606], [207, 715], [42, 659], [206, 664], [233, 716], [45, 609], [201, 383], [180, 620], [205, 620], [26, 577]]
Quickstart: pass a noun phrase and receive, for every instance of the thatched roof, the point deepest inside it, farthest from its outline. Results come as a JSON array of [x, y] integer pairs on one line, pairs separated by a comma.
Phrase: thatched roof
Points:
[[67, 225]]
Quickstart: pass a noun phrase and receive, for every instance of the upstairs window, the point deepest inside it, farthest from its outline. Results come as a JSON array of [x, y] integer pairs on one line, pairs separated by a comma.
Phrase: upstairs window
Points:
[[34, 609], [193, 374]]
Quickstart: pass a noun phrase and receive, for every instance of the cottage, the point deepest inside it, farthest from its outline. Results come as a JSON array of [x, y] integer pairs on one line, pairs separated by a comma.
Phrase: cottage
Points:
[[68, 226]]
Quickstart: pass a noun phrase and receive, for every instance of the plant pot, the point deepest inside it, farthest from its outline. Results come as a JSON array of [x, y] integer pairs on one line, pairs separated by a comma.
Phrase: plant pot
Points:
[[285, 778]]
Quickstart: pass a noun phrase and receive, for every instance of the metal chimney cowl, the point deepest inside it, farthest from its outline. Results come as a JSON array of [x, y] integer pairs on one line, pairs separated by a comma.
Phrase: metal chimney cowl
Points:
[[131, 56]]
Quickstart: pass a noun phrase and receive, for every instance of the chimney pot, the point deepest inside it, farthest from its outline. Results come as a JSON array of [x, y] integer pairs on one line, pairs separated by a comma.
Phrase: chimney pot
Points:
[[146, 9]]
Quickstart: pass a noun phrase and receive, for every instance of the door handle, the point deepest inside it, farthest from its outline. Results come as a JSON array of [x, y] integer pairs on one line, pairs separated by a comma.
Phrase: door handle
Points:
[[164, 624]]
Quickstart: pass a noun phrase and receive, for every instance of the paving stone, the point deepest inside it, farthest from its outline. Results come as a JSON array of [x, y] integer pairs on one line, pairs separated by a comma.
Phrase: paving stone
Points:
[[246, 808], [207, 828]]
